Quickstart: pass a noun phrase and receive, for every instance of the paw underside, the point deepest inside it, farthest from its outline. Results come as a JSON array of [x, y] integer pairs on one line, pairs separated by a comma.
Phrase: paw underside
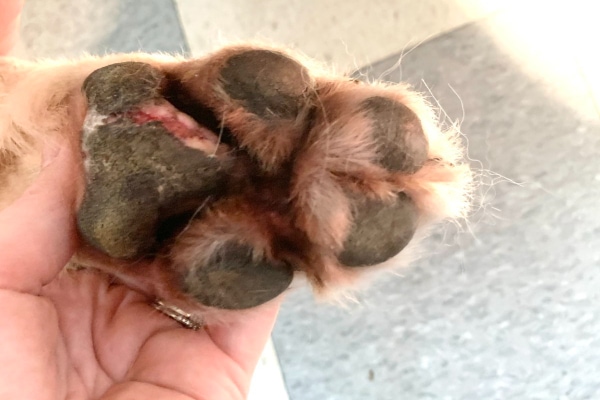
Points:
[[243, 168]]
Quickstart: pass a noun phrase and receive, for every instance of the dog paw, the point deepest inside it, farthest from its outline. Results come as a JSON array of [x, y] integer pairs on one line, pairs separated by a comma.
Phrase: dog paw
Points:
[[242, 168]]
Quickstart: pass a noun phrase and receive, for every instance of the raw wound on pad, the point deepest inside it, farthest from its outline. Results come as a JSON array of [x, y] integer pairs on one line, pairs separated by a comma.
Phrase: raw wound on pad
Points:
[[137, 175]]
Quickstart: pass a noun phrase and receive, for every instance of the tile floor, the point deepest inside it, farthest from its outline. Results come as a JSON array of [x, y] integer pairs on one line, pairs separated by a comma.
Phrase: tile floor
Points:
[[505, 308]]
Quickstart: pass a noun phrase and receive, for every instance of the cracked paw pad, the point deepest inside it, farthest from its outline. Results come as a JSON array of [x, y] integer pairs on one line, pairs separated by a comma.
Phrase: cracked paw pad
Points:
[[145, 161]]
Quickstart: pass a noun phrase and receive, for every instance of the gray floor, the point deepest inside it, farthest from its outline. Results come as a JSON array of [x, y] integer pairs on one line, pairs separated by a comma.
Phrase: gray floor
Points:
[[66, 28], [508, 311], [505, 310]]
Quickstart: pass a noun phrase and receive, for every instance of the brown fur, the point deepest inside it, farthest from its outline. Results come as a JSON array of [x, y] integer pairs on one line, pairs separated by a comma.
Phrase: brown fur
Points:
[[304, 224]]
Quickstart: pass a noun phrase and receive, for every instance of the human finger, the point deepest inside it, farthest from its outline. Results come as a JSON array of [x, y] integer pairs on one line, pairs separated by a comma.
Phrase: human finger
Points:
[[38, 234]]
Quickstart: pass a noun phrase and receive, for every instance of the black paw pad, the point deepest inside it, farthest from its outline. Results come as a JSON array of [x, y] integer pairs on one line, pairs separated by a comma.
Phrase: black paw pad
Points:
[[234, 279], [137, 178], [402, 145], [270, 84], [380, 231], [118, 87]]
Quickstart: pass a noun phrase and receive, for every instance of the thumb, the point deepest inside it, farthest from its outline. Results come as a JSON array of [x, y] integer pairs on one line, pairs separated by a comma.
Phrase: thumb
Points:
[[37, 232]]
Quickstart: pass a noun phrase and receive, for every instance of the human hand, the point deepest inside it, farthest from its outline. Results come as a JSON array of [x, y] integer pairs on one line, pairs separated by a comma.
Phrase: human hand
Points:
[[77, 335], [9, 23]]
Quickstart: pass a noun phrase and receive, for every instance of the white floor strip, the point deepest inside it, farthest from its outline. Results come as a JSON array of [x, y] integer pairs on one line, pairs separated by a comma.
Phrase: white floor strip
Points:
[[267, 383]]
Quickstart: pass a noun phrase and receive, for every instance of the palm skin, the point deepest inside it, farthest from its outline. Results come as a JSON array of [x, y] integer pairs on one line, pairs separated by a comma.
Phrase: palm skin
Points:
[[76, 335]]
